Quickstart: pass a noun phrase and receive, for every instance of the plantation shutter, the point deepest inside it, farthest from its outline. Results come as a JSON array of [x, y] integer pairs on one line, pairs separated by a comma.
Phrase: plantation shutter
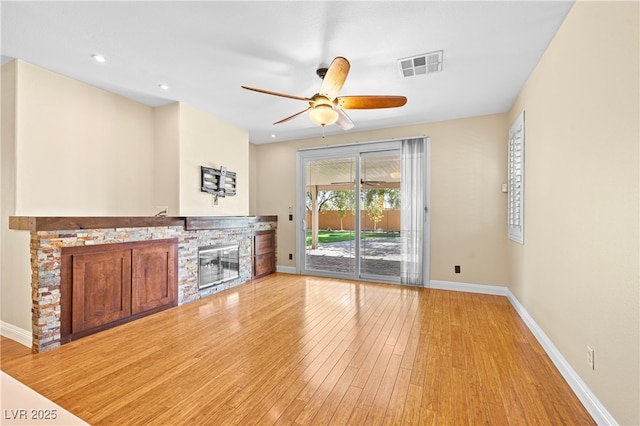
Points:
[[516, 181]]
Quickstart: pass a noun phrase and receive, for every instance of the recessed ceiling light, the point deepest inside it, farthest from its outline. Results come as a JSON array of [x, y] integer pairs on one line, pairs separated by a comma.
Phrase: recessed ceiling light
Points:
[[273, 136], [98, 58], [163, 86]]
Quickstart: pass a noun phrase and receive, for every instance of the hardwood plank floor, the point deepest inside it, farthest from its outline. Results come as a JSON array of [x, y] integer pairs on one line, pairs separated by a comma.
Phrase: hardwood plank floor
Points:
[[289, 349]]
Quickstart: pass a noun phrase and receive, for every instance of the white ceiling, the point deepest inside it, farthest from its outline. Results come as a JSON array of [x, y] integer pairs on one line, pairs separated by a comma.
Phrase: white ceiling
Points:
[[205, 50]]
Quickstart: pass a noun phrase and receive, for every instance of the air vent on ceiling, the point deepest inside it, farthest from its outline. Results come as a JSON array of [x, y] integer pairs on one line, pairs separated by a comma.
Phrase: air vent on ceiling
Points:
[[426, 63]]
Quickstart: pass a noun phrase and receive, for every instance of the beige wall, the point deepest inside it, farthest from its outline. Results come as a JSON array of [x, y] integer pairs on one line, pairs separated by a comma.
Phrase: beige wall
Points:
[[252, 179], [166, 165], [275, 187], [211, 142], [468, 209], [81, 150], [577, 273], [14, 245], [86, 151], [185, 139]]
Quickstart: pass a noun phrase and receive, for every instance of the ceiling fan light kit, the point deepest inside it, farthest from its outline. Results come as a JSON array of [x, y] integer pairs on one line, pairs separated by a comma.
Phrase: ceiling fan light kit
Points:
[[323, 115], [326, 107]]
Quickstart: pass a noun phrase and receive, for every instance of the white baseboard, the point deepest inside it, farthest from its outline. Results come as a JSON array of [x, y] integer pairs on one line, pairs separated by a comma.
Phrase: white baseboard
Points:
[[286, 269], [579, 387], [469, 288], [15, 333]]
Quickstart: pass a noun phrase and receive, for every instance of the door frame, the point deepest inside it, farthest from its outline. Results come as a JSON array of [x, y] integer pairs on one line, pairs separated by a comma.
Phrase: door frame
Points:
[[341, 151]]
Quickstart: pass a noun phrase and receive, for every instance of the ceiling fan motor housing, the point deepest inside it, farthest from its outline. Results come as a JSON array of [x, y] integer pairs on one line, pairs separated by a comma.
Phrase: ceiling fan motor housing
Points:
[[321, 72]]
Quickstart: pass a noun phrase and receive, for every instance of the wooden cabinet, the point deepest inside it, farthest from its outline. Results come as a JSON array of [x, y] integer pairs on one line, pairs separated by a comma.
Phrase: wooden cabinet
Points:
[[109, 284], [264, 253]]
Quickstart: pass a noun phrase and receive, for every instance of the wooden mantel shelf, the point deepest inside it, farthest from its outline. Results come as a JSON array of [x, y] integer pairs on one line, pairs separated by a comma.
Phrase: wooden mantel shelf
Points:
[[46, 223]]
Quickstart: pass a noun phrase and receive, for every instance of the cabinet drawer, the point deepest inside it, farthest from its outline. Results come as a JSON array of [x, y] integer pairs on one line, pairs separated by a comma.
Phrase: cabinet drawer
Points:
[[264, 242]]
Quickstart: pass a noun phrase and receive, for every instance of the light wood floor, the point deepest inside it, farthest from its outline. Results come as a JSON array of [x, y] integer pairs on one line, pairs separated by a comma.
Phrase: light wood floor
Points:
[[290, 349]]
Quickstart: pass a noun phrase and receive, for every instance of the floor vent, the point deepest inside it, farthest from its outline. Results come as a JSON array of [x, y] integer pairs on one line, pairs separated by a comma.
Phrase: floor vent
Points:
[[426, 63]]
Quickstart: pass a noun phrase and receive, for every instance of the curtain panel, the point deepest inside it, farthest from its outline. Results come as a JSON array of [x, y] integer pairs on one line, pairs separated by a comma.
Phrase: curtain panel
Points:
[[413, 211]]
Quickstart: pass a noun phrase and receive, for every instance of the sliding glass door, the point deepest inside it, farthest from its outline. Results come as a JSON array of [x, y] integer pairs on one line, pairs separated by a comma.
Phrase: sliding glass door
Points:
[[351, 212]]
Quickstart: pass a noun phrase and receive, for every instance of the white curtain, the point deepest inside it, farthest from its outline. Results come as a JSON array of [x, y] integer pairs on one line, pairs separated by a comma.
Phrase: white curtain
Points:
[[413, 211]]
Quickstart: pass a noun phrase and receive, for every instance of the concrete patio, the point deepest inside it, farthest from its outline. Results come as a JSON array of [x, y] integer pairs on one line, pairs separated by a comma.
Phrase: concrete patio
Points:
[[381, 256]]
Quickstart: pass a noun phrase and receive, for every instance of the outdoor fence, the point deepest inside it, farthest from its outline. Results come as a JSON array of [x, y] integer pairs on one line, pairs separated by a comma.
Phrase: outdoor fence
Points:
[[330, 219]]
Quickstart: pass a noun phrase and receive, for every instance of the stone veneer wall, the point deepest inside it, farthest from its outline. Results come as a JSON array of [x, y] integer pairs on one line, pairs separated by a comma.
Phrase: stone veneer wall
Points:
[[46, 262]]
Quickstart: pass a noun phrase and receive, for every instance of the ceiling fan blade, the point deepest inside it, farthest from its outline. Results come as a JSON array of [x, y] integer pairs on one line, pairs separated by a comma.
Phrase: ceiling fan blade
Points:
[[335, 77], [268, 92], [292, 116], [344, 122], [371, 102]]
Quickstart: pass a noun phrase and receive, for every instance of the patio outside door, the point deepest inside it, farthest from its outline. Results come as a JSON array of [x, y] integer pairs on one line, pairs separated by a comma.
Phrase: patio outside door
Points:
[[351, 213]]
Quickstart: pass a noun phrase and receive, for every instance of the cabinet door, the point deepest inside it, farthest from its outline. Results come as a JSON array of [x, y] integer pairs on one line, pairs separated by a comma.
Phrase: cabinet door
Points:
[[263, 264], [264, 256], [154, 277], [101, 288]]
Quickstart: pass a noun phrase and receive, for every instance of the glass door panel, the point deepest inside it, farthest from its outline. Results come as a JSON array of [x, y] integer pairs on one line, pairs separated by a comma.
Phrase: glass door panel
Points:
[[380, 215], [330, 228]]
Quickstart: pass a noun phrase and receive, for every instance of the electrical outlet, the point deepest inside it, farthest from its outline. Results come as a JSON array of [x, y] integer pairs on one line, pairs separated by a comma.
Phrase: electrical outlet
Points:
[[590, 358], [456, 269]]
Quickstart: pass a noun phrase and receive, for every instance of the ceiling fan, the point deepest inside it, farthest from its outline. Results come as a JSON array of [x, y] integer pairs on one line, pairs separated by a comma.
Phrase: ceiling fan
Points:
[[326, 107]]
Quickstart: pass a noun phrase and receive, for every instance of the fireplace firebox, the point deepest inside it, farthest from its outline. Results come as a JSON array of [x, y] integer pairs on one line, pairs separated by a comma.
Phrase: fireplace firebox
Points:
[[217, 264]]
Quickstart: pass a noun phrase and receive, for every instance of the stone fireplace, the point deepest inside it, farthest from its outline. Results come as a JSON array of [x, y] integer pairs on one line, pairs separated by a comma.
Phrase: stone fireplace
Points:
[[50, 234], [217, 264]]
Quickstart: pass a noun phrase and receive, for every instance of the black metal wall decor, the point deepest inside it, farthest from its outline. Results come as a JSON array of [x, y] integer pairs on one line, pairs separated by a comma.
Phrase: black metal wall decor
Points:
[[218, 182]]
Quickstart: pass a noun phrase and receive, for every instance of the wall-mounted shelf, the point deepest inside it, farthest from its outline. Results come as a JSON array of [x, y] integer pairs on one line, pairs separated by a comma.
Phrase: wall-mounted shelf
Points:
[[52, 223]]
